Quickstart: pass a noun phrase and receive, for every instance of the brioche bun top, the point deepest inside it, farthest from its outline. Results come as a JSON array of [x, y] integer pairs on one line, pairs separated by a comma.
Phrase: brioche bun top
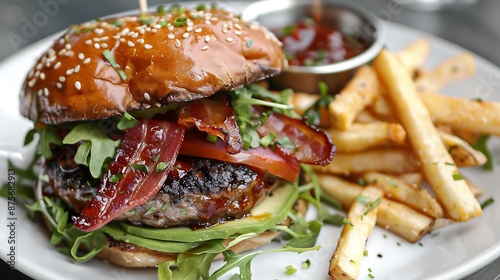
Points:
[[108, 67]]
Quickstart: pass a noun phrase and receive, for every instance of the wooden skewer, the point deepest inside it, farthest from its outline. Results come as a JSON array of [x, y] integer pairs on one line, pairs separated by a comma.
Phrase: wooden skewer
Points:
[[143, 5]]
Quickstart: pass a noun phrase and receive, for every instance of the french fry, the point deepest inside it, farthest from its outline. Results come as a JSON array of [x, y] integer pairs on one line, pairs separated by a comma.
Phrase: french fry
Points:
[[359, 137], [463, 114], [414, 54], [389, 160], [417, 198], [394, 216], [367, 116], [452, 191], [346, 261], [415, 179], [402, 220], [358, 93], [462, 153], [455, 68]]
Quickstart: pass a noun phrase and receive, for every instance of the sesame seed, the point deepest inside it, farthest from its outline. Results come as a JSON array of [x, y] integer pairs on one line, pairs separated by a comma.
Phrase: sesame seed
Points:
[[31, 83], [204, 48], [140, 41], [38, 66], [135, 35], [62, 52], [207, 22], [130, 33], [61, 41], [97, 46], [229, 39], [197, 30], [97, 40], [70, 71], [171, 36], [68, 46], [225, 26], [70, 53], [189, 28], [207, 38], [185, 35], [37, 74], [224, 31], [99, 31], [148, 29], [170, 27], [157, 26], [116, 37], [81, 56], [46, 91], [237, 26], [77, 68], [78, 85], [154, 30], [39, 92], [105, 38], [59, 85], [148, 46], [62, 79], [42, 76], [237, 32], [31, 73], [122, 40], [47, 65], [104, 45], [177, 43], [146, 96], [131, 44], [86, 61]]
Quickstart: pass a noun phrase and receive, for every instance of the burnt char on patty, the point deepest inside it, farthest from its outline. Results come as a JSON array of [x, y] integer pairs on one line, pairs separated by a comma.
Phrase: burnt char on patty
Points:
[[199, 192]]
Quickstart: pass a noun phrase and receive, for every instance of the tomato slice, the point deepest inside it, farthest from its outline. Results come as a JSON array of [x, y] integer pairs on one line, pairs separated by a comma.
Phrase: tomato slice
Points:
[[195, 144], [143, 160]]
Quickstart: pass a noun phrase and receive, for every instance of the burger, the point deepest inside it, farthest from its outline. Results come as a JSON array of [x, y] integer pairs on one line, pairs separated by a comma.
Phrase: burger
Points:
[[155, 144]]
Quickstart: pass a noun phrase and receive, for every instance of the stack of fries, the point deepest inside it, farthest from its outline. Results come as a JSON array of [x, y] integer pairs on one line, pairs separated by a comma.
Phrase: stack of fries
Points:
[[394, 132]]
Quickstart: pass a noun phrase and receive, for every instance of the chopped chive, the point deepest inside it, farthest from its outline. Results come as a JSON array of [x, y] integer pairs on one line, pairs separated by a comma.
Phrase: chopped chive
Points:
[[181, 21], [373, 205], [115, 178], [139, 167], [385, 236], [118, 23], [420, 243], [370, 270], [150, 210], [371, 275], [352, 261], [144, 20], [211, 138], [201, 7], [289, 270], [457, 177], [391, 183], [345, 221], [161, 166], [362, 199], [111, 59], [155, 158], [164, 208], [160, 10], [450, 163], [399, 244], [365, 253], [268, 139], [362, 182], [306, 264], [488, 202], [286, 143]]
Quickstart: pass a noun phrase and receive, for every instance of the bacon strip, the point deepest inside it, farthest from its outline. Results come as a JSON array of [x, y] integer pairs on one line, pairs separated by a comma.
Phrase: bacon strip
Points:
[[146, 155], [215, 116], [312, 146]]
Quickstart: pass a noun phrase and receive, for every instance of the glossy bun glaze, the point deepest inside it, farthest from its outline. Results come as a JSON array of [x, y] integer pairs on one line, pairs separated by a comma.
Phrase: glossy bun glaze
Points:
[[105, 68]]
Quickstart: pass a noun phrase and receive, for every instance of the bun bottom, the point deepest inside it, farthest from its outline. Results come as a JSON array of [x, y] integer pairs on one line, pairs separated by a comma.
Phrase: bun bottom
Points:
[[129, 255]]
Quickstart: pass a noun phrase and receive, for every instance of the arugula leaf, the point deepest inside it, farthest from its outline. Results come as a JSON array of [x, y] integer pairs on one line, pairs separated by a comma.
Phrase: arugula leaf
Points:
[[48, 135], [102, 147], [127, 121]]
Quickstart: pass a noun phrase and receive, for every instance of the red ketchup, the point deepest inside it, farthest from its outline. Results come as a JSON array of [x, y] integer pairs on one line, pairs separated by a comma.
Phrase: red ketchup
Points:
[[308, 43]]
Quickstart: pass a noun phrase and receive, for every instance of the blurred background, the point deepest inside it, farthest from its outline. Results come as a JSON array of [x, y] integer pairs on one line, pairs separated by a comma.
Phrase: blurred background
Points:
[[472, 24]]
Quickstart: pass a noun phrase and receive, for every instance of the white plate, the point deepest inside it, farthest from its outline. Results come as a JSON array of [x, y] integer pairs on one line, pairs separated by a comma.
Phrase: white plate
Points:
[[455, 252]]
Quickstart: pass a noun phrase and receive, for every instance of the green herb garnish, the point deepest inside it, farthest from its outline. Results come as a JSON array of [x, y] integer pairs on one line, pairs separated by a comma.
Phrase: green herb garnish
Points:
[[111, 59], [373, 205], [139, 167], [161, 166], [115, 178], [347, 222], [306, 264], [181, 21], [487, 202], [457, 177]]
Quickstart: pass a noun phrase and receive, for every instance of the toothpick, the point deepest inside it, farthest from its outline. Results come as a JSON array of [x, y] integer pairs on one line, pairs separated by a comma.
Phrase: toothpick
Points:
[[143, 5]]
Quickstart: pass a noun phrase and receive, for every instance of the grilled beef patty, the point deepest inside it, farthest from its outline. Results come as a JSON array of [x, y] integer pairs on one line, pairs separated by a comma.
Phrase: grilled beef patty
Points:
[[198, 192]]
